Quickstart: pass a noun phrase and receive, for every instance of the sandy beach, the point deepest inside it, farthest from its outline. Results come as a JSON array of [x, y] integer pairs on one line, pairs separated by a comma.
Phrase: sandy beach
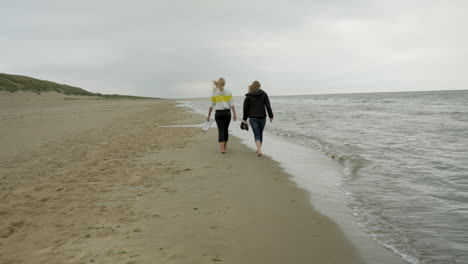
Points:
[[103, 181]]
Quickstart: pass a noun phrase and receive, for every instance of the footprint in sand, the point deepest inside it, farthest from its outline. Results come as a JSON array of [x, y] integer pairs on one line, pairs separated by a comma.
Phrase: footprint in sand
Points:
[[168, 189]]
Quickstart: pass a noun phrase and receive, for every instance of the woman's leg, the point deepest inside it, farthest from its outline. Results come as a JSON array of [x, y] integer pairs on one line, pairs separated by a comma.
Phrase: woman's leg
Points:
[[223, 118], [220, 124], [259, 148], [255, 125], [261, 126], [227, 121], [262, 123]]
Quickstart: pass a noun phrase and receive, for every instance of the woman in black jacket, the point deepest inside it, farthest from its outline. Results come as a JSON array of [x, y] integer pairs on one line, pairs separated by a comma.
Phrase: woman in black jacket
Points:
[[256, 100]]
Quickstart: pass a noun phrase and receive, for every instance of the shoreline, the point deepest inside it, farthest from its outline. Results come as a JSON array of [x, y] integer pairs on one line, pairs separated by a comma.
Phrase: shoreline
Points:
[[111, 186], [320, 176]]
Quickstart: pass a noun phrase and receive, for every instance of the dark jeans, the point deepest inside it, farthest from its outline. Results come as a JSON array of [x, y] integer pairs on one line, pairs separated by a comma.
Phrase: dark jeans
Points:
[[257, 124], [223, 118]]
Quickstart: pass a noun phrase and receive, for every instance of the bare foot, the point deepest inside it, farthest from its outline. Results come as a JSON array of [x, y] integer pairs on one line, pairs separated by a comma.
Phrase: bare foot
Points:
[[259, 153]]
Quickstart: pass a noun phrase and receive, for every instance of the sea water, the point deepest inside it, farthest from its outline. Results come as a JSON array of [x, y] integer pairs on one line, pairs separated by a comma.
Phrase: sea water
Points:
[[404, 162]]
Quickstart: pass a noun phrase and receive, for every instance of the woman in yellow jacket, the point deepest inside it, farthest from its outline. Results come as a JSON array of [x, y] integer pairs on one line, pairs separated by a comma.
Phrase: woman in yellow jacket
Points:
[[221, 102]]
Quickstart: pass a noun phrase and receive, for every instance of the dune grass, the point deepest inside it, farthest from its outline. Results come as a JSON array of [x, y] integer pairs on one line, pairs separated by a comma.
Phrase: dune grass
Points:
[[13, 83]]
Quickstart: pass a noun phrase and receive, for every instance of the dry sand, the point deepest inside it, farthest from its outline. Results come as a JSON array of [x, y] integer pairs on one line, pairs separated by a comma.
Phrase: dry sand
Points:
[[93, 181]]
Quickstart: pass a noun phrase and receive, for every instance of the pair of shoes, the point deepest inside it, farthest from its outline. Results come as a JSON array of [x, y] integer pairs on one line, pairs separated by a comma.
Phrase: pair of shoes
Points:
[[207, 125], [244, 126]]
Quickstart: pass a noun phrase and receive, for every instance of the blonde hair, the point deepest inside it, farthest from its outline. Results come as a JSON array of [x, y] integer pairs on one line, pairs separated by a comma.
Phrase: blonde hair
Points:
[[219, 83], [254, 86]]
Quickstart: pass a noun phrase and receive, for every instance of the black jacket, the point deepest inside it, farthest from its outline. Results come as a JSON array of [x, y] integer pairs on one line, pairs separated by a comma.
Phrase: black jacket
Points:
[[255, 103]]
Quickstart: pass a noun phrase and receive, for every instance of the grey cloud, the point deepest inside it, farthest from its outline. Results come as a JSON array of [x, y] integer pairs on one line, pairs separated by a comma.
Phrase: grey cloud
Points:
[[173, 48]]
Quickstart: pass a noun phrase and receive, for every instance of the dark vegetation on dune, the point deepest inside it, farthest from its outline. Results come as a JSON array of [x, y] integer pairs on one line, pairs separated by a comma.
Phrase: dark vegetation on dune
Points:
[[14, 83]]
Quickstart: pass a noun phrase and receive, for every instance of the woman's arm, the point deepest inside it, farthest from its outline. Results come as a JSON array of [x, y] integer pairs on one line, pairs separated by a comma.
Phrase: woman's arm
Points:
[[268, 107], [234, 112], [231, 105], [209, 113], [246, 108], [212, 104]]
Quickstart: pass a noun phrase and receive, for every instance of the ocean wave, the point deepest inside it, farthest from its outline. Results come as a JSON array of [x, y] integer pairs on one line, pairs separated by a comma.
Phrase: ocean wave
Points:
[[350, 159]]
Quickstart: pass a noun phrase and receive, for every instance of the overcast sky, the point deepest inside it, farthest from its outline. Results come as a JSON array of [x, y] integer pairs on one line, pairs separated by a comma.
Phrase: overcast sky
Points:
[[174, 48]]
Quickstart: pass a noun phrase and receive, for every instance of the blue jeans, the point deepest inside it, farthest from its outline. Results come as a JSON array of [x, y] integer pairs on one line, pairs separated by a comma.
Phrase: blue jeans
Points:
[[257, 124]]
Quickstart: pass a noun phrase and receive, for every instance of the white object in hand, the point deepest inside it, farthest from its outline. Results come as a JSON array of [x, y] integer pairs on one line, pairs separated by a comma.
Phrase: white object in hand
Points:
[[207, 125]]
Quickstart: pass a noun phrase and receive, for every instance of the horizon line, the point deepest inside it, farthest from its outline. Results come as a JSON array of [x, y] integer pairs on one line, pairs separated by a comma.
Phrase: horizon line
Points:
[[416, 91]]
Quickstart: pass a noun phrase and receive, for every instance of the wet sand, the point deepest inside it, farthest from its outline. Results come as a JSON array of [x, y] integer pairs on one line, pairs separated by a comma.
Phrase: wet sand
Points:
[[99, 181]]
